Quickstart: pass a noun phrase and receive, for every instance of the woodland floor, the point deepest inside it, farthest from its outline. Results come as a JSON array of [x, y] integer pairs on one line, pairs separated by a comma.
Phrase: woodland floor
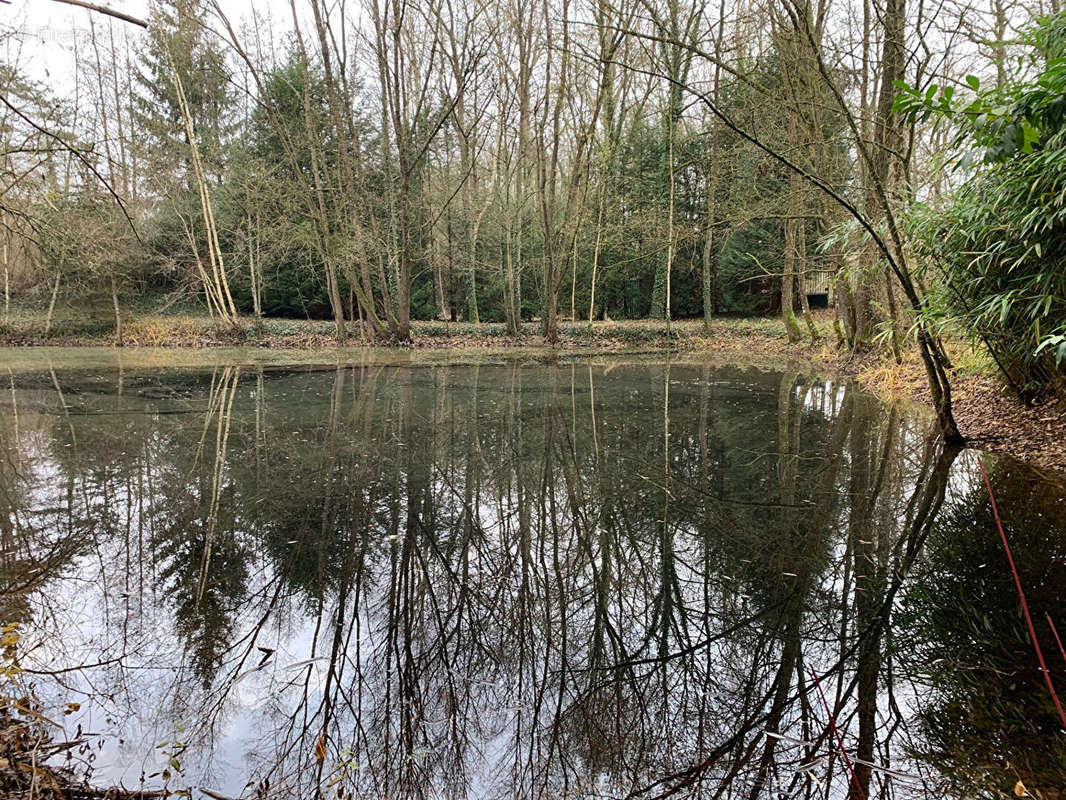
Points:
[[992, 418]]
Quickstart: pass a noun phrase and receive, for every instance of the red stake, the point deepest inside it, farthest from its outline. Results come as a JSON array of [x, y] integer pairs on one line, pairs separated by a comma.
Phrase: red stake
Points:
[[1021, 596], [836, 733], [1055, 633]]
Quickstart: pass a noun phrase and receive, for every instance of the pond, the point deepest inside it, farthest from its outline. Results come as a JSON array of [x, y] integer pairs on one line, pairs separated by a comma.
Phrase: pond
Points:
[[584, 577]]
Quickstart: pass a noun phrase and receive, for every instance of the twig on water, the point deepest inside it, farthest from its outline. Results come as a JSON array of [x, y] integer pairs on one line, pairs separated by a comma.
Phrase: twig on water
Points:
[[836, 733], [1021, 596]]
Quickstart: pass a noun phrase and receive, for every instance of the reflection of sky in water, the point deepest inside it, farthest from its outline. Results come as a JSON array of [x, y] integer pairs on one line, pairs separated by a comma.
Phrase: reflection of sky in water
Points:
[[524, 621]]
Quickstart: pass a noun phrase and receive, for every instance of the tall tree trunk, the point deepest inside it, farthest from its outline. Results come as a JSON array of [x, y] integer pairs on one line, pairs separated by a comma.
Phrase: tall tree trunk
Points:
[[7, 287], [226, 308], [118, 314], [596, 252], [52, 303], [709, 275], [791, 258], [253, 277]]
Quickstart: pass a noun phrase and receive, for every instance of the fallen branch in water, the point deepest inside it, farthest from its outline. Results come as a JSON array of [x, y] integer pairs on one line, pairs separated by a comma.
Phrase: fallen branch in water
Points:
[[93, 793], [26, 746]]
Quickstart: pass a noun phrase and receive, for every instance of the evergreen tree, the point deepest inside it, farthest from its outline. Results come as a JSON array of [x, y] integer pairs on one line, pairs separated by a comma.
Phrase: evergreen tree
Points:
[[179, 42]]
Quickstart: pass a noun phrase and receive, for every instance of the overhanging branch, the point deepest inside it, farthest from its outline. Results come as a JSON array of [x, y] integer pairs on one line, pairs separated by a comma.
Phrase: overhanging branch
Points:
[[104, 10]]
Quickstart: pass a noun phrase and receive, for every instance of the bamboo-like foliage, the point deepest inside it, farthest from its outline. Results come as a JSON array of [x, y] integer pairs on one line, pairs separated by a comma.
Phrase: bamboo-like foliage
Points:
[[996, 246]]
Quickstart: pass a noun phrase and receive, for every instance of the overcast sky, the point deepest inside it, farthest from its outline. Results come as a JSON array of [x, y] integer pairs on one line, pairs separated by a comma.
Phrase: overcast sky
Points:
[[44, 46]]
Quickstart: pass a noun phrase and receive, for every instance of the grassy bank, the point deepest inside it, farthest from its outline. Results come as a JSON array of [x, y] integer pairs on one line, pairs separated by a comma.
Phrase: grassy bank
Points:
[[188, 330], [990, 417]]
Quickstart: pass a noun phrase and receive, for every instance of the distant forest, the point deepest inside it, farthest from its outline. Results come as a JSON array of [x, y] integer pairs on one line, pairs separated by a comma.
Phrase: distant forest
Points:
[[374, 161]]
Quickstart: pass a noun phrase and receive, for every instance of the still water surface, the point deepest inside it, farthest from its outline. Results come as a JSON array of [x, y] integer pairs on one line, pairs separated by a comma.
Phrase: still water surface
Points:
[[609, 577]]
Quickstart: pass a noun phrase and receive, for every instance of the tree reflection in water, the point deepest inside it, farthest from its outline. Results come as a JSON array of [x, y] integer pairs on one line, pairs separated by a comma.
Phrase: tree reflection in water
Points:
[[598, 578]]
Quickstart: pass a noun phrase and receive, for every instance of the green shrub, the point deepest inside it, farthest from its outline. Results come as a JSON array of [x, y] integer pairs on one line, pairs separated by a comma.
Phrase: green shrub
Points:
[[999, 242]]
